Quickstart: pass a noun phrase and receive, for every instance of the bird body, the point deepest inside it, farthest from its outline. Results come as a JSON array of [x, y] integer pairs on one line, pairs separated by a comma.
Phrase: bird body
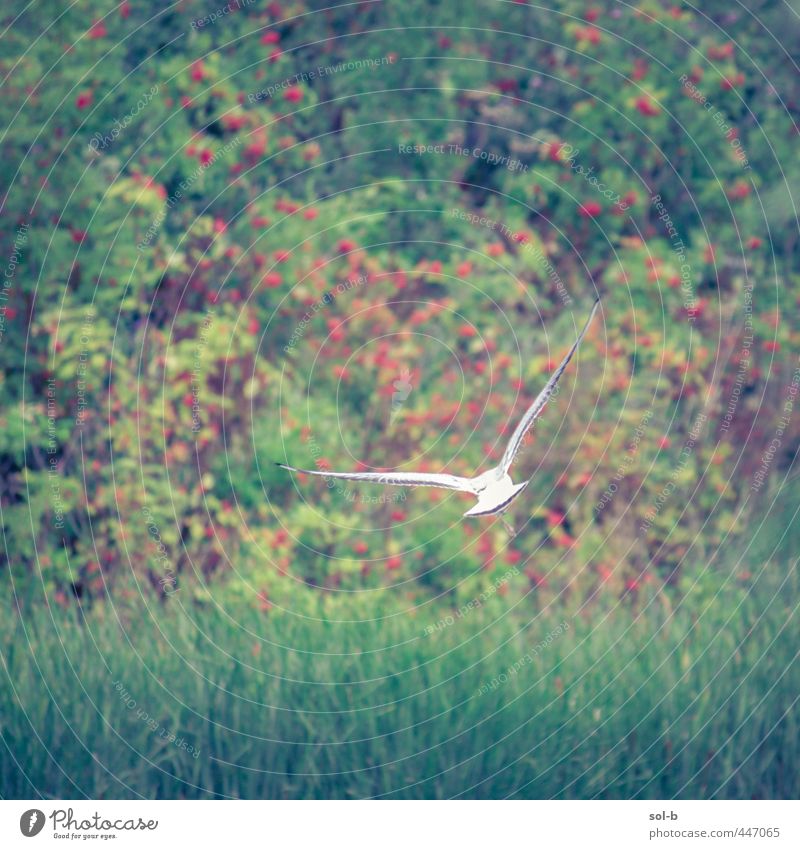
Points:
[[495, 491], [494, 488]]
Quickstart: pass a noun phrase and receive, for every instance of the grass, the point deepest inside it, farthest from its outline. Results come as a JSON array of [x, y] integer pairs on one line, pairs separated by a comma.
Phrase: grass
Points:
[[645, 700]]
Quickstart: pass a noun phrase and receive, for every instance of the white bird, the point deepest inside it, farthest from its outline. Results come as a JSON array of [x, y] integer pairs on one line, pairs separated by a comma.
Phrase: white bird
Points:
[[494, 489]]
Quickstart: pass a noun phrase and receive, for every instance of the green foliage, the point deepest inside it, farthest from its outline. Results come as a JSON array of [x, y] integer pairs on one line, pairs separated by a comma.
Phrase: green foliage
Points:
[[208, 186]]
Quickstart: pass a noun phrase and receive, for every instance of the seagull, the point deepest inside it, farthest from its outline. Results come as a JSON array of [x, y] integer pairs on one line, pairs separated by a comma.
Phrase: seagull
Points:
[[494, 489]]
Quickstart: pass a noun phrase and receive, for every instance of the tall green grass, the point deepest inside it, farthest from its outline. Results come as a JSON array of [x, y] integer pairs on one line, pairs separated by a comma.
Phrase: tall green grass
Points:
[[646, 699]]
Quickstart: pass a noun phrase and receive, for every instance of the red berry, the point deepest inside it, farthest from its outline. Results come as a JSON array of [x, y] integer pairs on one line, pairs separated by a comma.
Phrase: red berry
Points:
[[98, 30], [592, 35], [646, 107], [591, 209], [640, 68], [554, 518], [723, 51]]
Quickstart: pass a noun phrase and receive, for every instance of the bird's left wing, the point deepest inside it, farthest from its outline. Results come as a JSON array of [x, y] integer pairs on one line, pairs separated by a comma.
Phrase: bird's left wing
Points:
[[394, 478], [544, 396]]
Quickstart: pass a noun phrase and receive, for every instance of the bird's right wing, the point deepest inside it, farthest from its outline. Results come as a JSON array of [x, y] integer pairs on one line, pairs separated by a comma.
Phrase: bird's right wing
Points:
[[541, 400], [394, 478]]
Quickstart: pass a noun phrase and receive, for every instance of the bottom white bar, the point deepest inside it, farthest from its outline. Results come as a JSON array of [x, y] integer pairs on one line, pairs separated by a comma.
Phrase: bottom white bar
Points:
[[402, 825]]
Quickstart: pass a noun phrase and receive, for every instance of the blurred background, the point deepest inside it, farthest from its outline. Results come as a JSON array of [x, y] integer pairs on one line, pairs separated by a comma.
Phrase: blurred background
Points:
[[361, 236]]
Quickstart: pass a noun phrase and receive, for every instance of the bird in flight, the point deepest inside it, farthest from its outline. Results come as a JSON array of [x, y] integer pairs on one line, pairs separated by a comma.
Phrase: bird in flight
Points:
[[494, 489]]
